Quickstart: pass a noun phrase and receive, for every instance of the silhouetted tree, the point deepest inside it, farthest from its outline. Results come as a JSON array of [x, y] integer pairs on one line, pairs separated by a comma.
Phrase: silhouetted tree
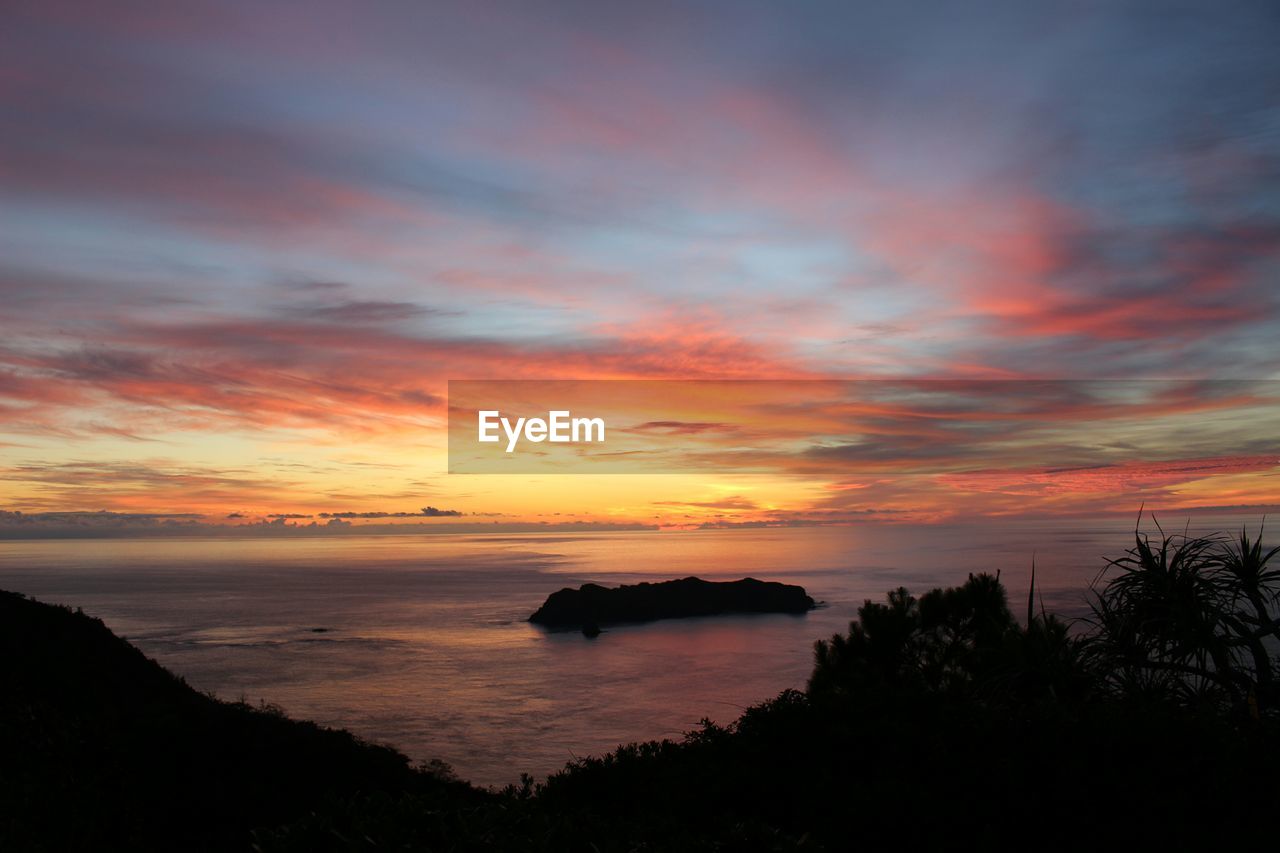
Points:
[[952, 640]]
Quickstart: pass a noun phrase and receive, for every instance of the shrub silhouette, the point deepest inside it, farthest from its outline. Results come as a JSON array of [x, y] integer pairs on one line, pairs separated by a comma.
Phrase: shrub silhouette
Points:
[[1176, 619], [960, 640]]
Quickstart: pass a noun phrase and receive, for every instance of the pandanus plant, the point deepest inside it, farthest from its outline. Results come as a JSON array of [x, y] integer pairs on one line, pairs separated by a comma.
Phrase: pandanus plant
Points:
[[1189, 616], [1254, 585]]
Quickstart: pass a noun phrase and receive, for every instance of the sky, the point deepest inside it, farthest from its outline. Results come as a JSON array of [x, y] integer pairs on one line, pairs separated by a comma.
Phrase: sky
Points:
[[244, 246]]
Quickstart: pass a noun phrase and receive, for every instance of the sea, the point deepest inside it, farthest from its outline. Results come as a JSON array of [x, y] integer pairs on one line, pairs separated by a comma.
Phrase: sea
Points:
[[422, 641]]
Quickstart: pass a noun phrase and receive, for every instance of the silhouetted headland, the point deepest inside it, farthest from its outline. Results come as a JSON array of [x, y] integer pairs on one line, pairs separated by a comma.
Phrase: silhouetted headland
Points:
[[101, 748], [591, 605]]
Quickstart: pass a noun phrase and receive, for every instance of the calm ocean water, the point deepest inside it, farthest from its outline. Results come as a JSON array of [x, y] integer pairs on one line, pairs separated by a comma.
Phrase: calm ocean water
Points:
[[426, 646]]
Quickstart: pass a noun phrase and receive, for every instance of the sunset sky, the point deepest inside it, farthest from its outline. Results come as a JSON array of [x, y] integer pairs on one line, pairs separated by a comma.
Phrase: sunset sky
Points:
[[244, 246]]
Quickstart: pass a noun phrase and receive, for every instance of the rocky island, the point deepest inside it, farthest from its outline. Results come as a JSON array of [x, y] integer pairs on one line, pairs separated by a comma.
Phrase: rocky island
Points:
[[592, 605]]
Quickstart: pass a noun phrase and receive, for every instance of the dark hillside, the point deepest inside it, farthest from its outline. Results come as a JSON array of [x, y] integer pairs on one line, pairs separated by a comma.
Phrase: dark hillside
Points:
[[101, 748]]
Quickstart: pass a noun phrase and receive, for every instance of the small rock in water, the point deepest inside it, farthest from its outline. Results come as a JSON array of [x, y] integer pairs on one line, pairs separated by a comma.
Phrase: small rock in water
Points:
[[591, 605]]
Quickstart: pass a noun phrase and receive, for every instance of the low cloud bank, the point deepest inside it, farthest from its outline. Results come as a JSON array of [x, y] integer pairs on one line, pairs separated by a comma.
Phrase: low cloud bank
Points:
[[105, 524]]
